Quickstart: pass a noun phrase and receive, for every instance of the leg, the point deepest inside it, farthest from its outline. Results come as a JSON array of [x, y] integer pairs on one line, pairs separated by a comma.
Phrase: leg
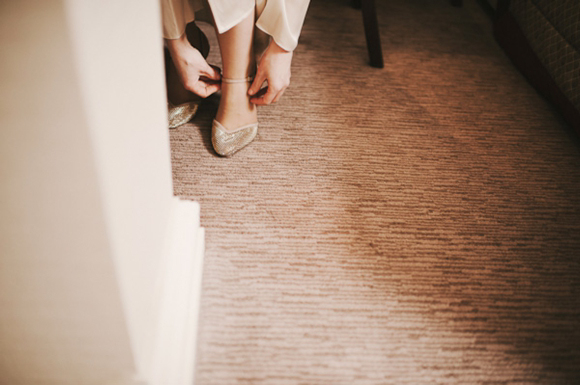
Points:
[[236, 47], [372, 33]]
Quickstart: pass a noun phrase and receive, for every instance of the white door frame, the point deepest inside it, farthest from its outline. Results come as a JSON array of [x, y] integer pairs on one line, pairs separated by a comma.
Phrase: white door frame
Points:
[[101, 264]]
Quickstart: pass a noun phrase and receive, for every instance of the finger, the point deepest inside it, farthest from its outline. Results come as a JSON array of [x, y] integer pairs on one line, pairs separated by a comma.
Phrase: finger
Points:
[[271, 95], [214, 79], [266, 99], [260, 93], [278, 96], [257, 84], [210, 72], [203, 89], [200, 89], [212, 88], [218, 69], [207, 80]]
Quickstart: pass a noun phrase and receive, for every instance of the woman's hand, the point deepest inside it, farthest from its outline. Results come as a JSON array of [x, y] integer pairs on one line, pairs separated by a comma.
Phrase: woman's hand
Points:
[[195, 74], [274, 67]]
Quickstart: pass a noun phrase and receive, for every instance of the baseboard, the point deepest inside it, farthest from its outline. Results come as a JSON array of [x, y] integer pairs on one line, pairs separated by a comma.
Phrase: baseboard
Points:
[[173, 361]]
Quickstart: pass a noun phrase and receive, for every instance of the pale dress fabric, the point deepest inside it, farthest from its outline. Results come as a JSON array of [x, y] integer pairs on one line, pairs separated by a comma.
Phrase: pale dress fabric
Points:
[[281, 19]]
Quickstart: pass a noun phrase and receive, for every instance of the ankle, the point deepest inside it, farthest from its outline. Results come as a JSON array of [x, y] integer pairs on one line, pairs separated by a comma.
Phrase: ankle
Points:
[[235, 92], [235, 108], [239, 74]]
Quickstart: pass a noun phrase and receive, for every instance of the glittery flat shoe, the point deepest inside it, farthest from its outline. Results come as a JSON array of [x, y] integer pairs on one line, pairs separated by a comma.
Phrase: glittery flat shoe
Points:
[[182, 113], [227, 142]]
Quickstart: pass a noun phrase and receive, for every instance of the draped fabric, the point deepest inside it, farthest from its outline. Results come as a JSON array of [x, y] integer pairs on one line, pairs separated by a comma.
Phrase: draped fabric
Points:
[[281, 19], [175, 14]]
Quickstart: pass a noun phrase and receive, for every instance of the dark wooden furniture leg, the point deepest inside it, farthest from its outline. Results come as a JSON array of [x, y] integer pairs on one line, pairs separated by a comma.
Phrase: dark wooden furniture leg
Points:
[[485, 5], [372, 35], [502, 7]]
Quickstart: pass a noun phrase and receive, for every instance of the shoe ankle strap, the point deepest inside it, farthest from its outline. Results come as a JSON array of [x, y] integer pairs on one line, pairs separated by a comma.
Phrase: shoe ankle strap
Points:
[[243, 80]]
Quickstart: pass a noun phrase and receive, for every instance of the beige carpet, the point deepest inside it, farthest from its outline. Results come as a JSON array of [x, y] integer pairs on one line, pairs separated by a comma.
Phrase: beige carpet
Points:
[[413, 225]]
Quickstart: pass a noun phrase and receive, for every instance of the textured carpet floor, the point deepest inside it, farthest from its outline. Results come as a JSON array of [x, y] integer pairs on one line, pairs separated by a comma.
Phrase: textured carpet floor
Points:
[[418, 224]]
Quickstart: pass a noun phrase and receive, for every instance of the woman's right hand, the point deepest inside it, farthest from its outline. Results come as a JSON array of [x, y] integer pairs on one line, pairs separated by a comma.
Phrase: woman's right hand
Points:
[[274, 67], [195, 73]]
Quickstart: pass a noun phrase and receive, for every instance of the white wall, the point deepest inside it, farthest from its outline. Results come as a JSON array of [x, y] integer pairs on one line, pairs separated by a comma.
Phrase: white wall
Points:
[[61, 318], [86, 194], [118, 49]]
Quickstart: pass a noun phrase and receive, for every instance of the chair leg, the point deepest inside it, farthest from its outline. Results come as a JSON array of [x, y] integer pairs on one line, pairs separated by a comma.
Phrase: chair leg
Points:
[[485, 5], [372, 35], [502, 6]]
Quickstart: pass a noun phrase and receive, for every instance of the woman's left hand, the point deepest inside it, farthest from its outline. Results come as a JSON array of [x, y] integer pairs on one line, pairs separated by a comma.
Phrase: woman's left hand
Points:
[[274, 67]]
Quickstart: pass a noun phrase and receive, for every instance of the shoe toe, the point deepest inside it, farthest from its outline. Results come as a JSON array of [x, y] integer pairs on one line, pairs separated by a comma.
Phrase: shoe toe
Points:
[[227, 143], [181, 114]]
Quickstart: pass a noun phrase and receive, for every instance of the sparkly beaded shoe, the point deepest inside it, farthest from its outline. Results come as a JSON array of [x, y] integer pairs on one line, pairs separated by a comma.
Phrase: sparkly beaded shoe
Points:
[[226, 142], [182, 113]]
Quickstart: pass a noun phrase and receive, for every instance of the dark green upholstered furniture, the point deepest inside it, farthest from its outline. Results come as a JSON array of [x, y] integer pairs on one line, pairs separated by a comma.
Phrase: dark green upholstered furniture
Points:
[[542, 38]]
